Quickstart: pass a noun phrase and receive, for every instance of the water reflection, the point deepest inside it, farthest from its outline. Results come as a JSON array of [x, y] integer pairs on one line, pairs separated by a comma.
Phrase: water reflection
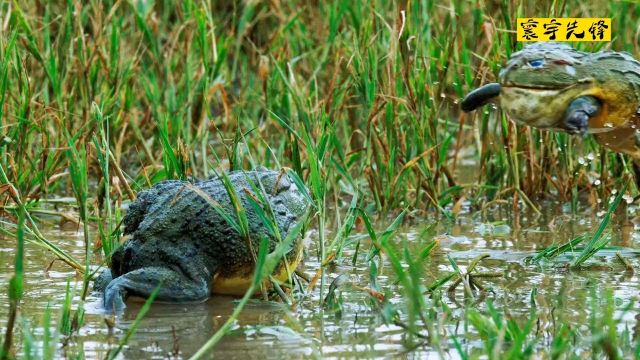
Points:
[[271, 330]]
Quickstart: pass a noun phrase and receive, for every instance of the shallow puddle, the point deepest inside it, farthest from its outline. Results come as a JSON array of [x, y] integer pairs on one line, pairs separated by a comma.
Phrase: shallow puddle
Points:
[[273, 330]]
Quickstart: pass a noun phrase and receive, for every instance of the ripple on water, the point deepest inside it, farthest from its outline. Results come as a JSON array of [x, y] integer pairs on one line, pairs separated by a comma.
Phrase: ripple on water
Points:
[[270, 330]]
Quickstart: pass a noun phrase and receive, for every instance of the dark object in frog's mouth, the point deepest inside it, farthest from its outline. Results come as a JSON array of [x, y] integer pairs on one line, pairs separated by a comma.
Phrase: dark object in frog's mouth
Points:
[[480, 96]]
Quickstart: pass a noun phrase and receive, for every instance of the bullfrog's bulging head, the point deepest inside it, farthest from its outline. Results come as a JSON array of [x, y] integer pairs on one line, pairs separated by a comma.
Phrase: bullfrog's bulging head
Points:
[[284, 195], [548, 66], [540, 81], [551, 85], [290, 205]]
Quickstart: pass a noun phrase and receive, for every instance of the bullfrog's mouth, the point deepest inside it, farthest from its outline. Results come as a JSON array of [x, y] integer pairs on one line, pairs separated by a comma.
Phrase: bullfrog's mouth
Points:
[[543, 84], [533, 87], [538, 106], [535, 106], [493, 91]]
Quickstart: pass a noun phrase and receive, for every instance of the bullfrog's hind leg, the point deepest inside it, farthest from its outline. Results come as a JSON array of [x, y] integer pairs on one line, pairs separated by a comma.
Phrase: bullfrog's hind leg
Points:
[[175, 287], [578, 113]]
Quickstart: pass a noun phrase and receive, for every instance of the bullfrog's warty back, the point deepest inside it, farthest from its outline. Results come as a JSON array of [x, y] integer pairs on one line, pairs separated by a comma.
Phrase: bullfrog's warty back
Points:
[[480, 96], [185, 237]]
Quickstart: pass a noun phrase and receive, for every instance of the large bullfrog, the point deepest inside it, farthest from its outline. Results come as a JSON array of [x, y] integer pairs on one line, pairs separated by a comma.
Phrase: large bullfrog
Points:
[[551, 85], [181, 239]]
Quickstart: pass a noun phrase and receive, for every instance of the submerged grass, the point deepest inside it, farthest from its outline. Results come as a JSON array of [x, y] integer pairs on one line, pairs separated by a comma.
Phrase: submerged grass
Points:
[[16, 290], [599, 240], [359, 99]]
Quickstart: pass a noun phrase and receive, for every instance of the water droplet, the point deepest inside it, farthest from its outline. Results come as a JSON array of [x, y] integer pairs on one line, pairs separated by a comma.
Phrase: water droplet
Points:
[[614, 191], [601, 213], [597, 183], [627, 198], [581, 161], [590, 157]]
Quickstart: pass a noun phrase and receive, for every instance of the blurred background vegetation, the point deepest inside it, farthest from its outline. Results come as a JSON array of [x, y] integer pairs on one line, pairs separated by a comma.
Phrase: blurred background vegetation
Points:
[[148, 90]]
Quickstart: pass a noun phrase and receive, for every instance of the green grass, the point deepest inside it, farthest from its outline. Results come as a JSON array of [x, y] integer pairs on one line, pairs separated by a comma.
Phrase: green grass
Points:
[[352, 98], [358, 99]]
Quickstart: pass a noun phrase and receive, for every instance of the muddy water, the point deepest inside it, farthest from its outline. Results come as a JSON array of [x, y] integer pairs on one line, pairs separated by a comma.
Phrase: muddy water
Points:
[[272, 330]]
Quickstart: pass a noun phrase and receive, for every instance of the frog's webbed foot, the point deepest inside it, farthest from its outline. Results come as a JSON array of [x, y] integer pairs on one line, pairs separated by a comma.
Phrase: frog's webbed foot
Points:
[[100, 283], [578, 113], [174, 287]]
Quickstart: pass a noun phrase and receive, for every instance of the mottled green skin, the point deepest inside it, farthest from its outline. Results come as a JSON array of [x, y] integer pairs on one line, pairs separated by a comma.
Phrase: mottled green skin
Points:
[[179, 239]]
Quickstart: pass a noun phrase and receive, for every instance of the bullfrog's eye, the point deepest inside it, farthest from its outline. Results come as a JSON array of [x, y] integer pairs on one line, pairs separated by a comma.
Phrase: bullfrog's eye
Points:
[[536, 63]]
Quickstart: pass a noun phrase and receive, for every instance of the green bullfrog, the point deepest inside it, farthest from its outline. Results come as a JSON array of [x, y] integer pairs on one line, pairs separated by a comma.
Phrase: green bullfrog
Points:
[[180, 239], [551, 85]]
